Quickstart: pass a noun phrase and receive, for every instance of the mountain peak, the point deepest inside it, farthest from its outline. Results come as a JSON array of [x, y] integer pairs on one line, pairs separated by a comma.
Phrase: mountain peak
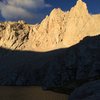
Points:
[[58, 30], [80, 9], [80, 0], [56, 11], [80, 4]]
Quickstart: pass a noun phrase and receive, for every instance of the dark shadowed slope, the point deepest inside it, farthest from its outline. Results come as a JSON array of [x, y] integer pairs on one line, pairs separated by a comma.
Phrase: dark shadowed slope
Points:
[[60, 70], [88, 91]]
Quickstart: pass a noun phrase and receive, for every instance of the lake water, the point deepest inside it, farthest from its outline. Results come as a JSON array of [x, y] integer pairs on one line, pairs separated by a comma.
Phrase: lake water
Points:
[[28, 93]]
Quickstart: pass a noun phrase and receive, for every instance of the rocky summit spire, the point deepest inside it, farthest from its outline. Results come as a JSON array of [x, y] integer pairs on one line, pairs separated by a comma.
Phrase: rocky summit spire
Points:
[[80, 2], [81, 7]]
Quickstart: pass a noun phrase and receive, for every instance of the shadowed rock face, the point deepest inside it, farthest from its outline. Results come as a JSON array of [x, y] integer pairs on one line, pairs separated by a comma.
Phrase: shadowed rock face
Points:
[[88, 91], [58, 30], [61, 70]]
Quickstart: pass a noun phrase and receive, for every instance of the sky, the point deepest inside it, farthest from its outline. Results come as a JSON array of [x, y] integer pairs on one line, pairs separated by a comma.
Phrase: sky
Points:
[[33, 11]]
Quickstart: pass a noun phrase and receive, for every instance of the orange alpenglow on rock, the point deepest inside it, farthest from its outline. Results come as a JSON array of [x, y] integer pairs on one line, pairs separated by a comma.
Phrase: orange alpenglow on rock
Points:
[[58, 30]]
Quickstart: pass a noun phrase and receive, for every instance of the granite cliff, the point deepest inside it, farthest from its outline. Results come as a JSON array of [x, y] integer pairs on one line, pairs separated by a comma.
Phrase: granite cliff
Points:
[[73, 66], [58, 30]]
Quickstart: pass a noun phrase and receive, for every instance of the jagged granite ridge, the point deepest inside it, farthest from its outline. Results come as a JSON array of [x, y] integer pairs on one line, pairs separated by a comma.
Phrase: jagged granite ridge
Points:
[[58, 30]]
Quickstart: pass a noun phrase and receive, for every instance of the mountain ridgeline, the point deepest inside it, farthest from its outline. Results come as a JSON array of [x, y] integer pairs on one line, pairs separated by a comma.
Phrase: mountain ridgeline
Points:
[[61, 54], [58, 30]]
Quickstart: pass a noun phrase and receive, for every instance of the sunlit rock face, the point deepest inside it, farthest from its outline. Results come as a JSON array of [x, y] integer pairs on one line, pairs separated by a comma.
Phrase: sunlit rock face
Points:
[[58, 30], [64, 29], [13, 35]]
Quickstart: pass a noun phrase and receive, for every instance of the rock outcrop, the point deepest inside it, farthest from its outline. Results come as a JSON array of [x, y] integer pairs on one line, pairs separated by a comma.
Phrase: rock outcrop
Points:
[[61, 70], [88, 91], [13, 35], [58, 30]]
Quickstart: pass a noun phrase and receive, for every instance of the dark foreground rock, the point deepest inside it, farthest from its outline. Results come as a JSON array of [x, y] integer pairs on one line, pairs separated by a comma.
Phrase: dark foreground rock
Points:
[[88, 91], [60, 70]]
